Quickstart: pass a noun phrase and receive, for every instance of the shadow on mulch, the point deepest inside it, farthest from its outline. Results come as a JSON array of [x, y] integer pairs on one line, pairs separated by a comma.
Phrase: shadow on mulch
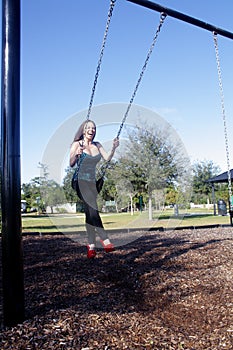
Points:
[[58, 275]]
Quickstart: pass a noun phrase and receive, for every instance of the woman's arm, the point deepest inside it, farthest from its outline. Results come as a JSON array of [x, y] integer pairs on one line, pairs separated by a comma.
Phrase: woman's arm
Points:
[[75, 151], [108, 155]]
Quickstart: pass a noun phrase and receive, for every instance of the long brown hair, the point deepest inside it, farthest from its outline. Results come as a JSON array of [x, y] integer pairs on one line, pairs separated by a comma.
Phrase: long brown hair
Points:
[[79, 134]]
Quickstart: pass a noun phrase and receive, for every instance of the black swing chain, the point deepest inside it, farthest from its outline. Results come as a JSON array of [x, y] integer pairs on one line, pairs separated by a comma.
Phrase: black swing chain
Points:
[[163, 16], [110, 12], [215, 37], [112, 4], [162, 19]]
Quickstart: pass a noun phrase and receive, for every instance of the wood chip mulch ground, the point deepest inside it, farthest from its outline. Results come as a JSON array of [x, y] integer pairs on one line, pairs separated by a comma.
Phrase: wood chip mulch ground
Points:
[[165, 290]]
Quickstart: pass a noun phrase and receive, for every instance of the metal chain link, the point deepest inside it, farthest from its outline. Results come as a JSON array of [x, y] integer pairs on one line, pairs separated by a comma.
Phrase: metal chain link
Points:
[[215, 37], [112, 4], [162, 18], [104, 167]]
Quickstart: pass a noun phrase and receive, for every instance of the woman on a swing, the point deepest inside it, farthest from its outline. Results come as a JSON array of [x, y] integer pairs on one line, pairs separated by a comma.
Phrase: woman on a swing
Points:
[[86, 153]]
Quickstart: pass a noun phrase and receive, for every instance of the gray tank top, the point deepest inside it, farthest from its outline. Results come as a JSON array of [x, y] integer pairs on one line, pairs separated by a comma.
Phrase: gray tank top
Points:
[[87, 166]]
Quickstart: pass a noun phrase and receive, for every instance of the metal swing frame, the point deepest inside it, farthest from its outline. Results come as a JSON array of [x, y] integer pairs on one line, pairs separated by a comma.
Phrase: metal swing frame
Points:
[[183, 17], [10, 151]]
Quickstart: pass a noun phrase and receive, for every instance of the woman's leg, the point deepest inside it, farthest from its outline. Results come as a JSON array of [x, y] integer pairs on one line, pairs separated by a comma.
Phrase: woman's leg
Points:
[[81, 189], [96, 222], [88, 193]]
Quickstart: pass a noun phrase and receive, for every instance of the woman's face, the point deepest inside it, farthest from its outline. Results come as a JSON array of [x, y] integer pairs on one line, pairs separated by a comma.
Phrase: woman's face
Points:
[[89, 130]]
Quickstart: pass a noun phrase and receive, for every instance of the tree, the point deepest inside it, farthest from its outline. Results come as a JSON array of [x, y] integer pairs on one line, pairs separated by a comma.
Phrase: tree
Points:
[[31, 191], [153, 160], [51, 192], [70, 194], [125, 194], [170, 196], [202, 172], [41, 191]]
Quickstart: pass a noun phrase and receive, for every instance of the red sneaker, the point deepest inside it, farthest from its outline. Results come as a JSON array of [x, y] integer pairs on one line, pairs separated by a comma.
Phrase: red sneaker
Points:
[[91, 253], [108, 247]]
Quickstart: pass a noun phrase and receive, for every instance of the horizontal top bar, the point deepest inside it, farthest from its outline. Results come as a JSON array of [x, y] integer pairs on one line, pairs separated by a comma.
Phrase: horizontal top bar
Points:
[[183, 17]]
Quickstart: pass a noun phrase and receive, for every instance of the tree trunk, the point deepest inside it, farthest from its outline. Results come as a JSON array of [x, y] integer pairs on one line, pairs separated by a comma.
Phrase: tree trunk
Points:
[[150, 207], [115, 200], [131, 204]]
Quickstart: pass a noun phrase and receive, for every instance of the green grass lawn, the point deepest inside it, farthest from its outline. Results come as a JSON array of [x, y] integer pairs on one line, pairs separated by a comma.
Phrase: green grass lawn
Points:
[[75, 222]]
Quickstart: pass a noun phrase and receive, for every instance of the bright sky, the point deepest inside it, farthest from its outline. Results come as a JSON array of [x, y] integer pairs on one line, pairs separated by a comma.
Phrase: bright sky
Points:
[[61, 41]]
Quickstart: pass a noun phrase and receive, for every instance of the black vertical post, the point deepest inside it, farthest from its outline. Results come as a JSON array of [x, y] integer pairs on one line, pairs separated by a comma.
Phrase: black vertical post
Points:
[[213, 197], [12, 260]]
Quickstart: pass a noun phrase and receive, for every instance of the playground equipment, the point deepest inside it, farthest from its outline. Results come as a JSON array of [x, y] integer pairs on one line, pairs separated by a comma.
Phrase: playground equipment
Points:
[[13, 286]]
